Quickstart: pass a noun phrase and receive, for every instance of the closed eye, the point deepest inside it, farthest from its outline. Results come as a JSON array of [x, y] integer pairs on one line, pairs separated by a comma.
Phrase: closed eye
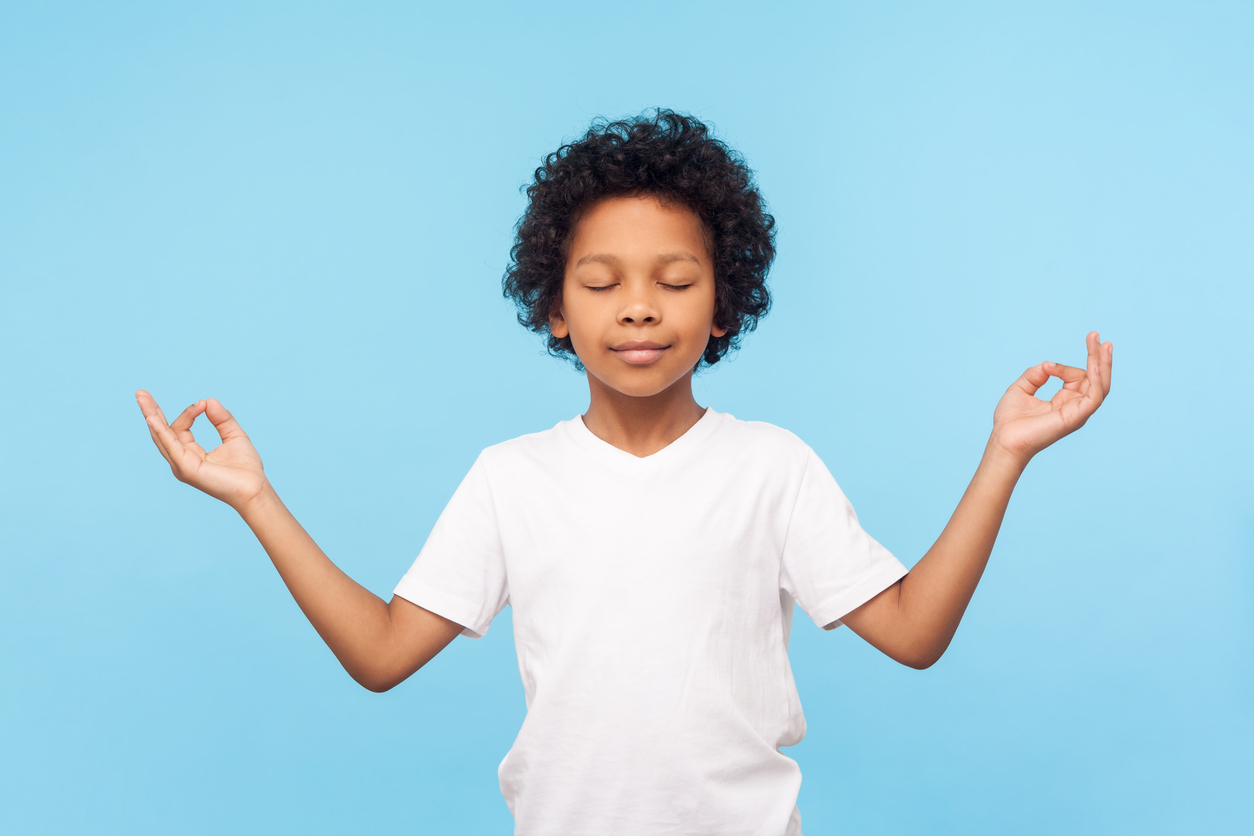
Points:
[[611, 286]]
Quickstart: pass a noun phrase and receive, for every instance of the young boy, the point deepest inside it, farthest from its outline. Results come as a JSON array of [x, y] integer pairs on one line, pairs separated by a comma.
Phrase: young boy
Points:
[[651, 549]]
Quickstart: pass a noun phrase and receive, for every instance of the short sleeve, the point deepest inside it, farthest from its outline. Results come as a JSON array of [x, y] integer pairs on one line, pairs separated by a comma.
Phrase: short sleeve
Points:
[[460, 572], [831, 566]]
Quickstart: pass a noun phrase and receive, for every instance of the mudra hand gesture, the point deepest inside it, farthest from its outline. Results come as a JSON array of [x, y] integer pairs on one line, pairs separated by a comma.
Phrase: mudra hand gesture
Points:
[[1023, 424], [230, 472]]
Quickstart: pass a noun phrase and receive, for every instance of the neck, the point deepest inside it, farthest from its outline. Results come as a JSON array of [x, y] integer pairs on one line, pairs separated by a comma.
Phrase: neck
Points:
[[641, 425]]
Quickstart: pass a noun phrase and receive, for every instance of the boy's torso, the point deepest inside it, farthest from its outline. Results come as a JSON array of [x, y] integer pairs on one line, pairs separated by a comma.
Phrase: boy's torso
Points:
[[650, 626]]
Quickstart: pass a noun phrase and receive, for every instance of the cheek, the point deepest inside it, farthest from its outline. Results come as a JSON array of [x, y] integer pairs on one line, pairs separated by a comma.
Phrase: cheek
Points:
[[576, 315]]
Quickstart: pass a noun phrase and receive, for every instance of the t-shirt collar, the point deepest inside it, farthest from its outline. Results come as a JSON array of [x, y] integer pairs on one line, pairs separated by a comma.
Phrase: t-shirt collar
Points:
[[694, 435]]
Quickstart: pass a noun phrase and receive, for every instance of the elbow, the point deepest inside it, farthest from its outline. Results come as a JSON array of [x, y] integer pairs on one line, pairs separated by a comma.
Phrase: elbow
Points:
[[376, 687], [922, 658], [374, 681], [920, 663], [384, 677]]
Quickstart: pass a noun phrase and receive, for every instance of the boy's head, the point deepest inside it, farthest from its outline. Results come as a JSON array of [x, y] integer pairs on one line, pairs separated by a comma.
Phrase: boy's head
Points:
[[662, 172]]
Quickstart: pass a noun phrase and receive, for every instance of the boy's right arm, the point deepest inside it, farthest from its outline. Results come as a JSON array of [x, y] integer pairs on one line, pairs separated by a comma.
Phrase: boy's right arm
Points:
[[379, 644]]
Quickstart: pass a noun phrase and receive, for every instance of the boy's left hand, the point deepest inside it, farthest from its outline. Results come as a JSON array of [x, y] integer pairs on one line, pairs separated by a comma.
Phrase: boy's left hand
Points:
[[1023, 424]]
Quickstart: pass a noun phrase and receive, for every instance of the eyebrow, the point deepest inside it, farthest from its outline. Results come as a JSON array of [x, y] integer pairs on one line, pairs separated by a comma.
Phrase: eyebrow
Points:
[[665, 258]]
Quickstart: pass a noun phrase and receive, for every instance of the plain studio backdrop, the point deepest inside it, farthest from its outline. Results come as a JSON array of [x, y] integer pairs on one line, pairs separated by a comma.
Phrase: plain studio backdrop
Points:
[[305, 211]]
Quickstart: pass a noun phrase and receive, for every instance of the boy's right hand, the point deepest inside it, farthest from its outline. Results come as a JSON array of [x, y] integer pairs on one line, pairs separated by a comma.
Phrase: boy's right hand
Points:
[[230, 472]]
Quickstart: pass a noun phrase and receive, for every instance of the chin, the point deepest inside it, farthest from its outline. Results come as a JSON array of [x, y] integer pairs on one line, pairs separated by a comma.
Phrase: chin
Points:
[[645, 384], [640, 392]]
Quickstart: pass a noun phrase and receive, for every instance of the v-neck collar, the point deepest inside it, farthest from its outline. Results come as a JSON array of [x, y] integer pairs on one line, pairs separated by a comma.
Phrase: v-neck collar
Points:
[[705, 425]]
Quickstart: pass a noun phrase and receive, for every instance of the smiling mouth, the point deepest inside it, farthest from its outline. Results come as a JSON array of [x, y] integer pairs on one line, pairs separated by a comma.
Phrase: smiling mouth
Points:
[[639, 356]]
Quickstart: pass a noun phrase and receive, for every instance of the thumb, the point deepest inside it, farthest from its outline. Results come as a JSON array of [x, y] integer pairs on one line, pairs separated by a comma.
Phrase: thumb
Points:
[[1033, 378], [223, 421]]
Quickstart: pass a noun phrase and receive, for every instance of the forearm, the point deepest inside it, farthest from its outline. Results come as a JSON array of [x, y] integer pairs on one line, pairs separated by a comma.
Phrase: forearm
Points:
[[914, 620], [354, 622], [935, 594]]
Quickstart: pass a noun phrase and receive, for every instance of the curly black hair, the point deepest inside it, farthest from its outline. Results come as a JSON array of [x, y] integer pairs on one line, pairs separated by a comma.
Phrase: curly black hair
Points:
[[672, 157]]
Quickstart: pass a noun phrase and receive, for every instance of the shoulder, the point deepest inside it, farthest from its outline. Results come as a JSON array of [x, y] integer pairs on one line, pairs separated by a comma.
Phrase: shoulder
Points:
[[759, 438], [530, 447], [763, 434]]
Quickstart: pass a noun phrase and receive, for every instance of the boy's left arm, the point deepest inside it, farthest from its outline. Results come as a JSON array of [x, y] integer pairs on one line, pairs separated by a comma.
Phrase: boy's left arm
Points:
[[914, 620]]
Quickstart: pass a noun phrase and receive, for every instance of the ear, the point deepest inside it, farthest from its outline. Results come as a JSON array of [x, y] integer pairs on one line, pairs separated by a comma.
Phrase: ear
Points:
[[557, 323], [717, 330]]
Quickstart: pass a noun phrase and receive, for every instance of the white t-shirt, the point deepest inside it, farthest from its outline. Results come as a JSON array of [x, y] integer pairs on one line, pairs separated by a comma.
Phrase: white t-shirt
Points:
[[652, 599]]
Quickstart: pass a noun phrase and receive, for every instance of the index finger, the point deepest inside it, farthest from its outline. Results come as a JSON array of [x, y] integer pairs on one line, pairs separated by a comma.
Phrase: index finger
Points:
[[183, 423], [1068, 374]]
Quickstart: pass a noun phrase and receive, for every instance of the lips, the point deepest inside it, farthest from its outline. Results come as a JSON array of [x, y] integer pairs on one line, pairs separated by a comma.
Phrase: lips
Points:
[[639, 352]]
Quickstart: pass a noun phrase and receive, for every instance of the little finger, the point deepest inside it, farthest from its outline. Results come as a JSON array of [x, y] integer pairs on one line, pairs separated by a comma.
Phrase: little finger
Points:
[[1108, 359], [1093, 391]]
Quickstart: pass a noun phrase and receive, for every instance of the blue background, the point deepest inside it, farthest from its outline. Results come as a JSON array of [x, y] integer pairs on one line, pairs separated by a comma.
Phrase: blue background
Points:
[[305, 211]]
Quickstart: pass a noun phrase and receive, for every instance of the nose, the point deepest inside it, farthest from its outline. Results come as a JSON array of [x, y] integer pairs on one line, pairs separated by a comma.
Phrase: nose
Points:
[[638, 305]]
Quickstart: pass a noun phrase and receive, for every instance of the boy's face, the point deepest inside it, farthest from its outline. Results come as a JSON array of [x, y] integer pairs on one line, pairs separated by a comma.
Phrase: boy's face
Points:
[[638, 296]]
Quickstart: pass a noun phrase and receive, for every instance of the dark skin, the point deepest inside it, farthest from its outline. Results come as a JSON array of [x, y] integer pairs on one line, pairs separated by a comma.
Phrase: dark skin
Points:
[[621, 284], [638, 271], [914, 620], [638, 305]]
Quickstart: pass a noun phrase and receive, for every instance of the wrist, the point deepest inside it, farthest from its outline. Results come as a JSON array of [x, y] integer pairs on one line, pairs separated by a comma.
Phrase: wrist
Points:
[[1001, 458], [257, 504]]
